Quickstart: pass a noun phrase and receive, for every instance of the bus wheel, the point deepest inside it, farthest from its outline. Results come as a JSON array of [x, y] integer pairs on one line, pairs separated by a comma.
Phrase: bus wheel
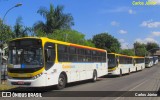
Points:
[[129, 72], [120, 73], [61, 82], [94, 79], [136, 69]]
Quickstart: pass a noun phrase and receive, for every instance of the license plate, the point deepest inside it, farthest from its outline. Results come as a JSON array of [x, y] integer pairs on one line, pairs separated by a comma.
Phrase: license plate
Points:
[[20, 82]]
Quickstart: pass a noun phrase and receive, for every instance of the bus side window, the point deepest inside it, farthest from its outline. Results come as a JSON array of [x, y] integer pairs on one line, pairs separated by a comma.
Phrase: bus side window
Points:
[[49, 55]]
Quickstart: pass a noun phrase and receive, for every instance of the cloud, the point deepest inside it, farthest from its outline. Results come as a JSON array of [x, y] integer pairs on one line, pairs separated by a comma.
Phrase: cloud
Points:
[[130, 11], [146, 40], [157, 1], [150, 40], [114, 23], [122, 32], [124, 44], [150, 24], [121, 40], [118, 10], [155, 33]]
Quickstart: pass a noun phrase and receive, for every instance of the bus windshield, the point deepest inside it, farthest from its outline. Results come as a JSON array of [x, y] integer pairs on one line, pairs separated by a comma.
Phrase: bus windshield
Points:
[[111, 61], [147, 60], [155, 58], [25, 53]]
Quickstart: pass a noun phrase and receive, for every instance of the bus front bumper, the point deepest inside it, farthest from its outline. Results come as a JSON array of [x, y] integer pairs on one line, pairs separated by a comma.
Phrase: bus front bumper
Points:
[[39, 82], [113, 72]]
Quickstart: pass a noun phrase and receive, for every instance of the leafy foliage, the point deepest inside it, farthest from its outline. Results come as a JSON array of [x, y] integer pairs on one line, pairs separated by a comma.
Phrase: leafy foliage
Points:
[[20, 30], [55, 19], [144, 49], [152, 47], [129, 52], [71, 36], [5, 32], [106, 41], [140, 49]]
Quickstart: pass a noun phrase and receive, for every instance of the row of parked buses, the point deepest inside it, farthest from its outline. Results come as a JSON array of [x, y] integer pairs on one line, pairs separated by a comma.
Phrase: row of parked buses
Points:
[[151, 60], [119, 64], [40, 62]]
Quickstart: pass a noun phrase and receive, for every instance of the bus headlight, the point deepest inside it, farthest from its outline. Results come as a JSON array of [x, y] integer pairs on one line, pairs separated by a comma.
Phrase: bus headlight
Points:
[[37, 76]]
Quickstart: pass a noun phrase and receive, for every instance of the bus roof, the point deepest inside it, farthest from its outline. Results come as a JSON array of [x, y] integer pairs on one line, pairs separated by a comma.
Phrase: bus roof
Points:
[[120, 55], [137, 57], [126, 55], [148, 57], [61, 42]]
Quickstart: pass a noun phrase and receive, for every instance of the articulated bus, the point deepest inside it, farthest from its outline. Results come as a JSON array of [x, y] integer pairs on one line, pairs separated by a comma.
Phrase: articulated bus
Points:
[[139, 63], [39, 61], [119, 64], [148, 61]]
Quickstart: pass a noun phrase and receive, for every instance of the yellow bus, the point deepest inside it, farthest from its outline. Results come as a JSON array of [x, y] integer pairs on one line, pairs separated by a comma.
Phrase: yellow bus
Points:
[[40, 61], [139, 63], [119, 64]]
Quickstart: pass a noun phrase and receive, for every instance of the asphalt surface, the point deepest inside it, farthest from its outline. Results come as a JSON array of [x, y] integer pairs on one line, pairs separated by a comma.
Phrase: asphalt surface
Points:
[[146, 80]]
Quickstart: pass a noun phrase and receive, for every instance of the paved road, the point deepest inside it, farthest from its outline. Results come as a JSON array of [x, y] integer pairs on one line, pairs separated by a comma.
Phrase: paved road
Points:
[[146, 80]]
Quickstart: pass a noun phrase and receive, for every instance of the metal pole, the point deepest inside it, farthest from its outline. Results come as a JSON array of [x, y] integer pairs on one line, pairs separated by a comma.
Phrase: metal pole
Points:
[[134, 49], [1, 56], [127, 46]]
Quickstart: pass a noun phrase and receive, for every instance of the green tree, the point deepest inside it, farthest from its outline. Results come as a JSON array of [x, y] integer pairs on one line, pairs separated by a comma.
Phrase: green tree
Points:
[[141, 52], [5, 32], [129, 52], [71, 36], [106, 41], [152, 47], [140, 49], [55, 19], [19, 30]]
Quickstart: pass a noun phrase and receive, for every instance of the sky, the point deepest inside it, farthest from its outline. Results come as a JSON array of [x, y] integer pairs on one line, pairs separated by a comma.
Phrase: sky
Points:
[[120, 18]]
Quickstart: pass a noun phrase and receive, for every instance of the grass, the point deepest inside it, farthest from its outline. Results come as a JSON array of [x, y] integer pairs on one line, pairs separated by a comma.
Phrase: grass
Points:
[[4, 86]]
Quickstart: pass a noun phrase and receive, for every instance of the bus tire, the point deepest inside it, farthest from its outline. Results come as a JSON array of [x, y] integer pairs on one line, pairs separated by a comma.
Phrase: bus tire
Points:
[[61, 82], [129, 71], [136, 69], [120, 73], [94, 79]]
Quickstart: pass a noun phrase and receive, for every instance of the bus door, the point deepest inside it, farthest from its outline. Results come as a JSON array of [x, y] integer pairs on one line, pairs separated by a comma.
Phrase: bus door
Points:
[[49, 53]]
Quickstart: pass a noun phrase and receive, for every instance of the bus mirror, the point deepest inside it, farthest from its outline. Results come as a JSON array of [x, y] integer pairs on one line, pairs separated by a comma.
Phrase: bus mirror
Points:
[[46, 55], [117, 62]]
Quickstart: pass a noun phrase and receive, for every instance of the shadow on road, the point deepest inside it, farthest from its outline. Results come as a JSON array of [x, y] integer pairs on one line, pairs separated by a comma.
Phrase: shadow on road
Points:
[[80, 83], [110, 76], [114, 76], [48, 88], [30, 89], [158, 92]]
